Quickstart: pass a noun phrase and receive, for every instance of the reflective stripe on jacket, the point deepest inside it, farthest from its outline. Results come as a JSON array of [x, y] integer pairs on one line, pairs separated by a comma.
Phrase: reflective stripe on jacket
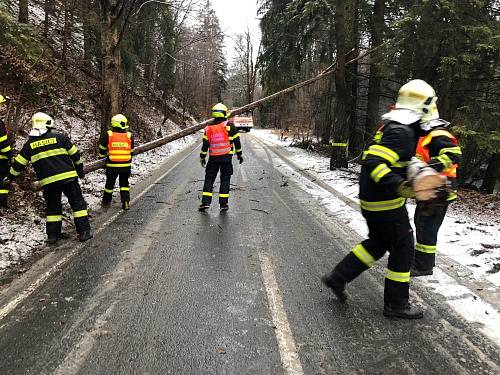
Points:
[[424, 155]]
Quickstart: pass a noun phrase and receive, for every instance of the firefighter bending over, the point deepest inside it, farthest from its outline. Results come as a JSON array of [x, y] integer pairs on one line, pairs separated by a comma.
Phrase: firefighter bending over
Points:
[[58, 165], [439, 149], [5, 156], [117, 144], [220, 140], [383, 193]]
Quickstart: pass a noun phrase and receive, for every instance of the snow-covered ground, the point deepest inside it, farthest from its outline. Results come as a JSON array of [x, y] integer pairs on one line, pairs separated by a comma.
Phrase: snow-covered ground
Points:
[[461, 235], [23, 232]]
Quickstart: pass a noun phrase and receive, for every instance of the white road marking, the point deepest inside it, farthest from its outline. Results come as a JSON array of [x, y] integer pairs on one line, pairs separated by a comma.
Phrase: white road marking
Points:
[[286, 344], [244, 177], [9, 307], [275, 193]]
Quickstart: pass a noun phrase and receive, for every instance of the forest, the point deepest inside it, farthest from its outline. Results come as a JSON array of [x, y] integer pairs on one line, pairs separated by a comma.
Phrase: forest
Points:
[[159, 60]]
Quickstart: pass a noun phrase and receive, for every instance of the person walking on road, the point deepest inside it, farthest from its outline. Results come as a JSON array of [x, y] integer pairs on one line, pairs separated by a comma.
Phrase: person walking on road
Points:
[[439, 149], [58, 165], [117, 145], [5, 156], [220, 140], [383, 193]]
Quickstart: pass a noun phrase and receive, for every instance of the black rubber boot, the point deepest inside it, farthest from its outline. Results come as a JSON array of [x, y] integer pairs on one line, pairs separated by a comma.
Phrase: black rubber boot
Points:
[[415, 272], [203, 207], [85, 236], [105, 203], [52, 239], [224, 207], [403, 312], [125, 205], [336, 285]]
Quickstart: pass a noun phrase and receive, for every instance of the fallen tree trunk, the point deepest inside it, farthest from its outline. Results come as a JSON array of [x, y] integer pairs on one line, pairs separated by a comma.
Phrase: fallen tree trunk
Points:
[[95, 165]]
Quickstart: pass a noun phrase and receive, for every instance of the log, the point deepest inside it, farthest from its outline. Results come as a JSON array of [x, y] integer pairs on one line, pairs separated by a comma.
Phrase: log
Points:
[[98, 164]]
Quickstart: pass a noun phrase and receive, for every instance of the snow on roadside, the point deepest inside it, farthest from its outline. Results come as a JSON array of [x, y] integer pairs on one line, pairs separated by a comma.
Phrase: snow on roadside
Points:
[[463, 300], [22, 233], [471, 240]]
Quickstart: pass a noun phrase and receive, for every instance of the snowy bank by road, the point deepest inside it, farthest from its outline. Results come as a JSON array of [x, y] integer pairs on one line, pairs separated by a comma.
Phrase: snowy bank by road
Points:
[[469, 236]]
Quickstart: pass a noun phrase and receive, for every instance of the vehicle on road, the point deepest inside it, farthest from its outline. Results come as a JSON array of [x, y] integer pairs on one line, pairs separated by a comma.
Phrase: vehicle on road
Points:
[[244, 122]]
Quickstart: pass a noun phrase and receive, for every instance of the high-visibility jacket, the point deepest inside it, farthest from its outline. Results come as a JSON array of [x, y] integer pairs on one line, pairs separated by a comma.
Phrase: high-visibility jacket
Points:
[[5, 148], [118, 146], [440, 149], [383, 169], [54, 158], [221, 140]]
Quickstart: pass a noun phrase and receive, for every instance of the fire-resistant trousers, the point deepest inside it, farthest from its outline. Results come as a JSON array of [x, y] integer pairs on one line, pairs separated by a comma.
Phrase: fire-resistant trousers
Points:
[[428, 220], [73, 192], [111, 177], [4, 187], [226, 170], [395, 237]]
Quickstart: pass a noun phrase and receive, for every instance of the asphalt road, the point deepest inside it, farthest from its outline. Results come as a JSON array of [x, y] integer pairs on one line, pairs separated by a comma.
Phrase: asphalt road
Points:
[[164, 289]]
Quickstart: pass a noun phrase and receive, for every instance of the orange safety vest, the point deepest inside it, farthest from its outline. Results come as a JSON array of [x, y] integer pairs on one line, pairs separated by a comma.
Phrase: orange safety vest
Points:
[[423, 151], [218, 138], [119, 147]]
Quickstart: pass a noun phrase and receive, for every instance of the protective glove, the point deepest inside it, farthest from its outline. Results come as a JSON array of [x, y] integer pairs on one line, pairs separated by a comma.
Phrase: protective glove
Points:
[[405, 190], [203, 162], [414, 168], [240, 159]]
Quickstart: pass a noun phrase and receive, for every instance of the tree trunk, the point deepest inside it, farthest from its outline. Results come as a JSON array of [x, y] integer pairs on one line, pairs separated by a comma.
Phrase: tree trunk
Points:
[[339, 156], [23, 11], [110, 68], [355, 135], [68, 21], [47, 8], [88, 37], [492, 174], [374, 85]]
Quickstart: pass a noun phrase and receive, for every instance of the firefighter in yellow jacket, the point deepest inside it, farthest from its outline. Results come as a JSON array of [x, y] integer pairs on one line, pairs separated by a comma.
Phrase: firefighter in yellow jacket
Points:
[[5, 156], [58, 165], [439, 149], [117, 146]]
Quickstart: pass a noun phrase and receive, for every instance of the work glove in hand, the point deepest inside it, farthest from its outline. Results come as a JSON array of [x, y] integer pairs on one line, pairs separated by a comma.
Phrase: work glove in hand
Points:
[[414, 168], [405, 190], [240, 159], [203, 162]]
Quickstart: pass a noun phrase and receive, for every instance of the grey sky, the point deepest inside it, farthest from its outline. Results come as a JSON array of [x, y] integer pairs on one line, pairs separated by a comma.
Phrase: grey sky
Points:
[[235, 16]]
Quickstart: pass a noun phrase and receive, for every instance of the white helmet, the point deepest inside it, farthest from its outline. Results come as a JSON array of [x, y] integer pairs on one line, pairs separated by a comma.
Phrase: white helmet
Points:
[[41, 123], [418, 96]]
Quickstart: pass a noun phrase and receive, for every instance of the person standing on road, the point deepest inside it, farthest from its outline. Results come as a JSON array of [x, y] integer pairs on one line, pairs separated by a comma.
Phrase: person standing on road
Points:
[[117, 145], [5, 156], [383, 193], [58, 165], [220, 140], [439, 149]]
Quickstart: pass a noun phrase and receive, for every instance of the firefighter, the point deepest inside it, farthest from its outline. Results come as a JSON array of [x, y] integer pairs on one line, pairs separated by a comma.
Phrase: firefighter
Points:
[[118, 145], [58, 165], [439, 149], [383, 193], [220, 140], [5, 156]]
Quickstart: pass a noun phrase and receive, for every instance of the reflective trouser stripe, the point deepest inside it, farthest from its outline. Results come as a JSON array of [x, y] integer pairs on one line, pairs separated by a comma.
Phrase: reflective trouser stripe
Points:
[[58, 177], [124, 189], [6, 149], [118, 165], [363, 255], [452, 196], [81, 213], [429, 249], [224, 195], [110, 191], [401, 277], [383, 205], [54, 218], [4, 191], [207, 194]]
